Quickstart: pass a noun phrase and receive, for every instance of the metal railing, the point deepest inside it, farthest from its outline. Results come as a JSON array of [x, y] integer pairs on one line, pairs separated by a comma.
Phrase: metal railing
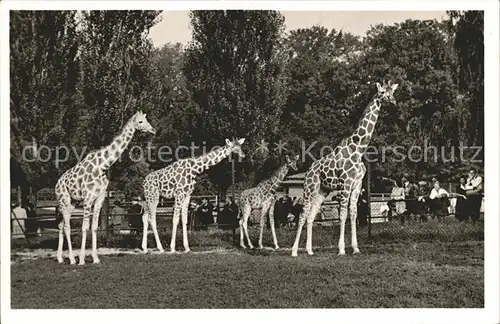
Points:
[[131, 224]]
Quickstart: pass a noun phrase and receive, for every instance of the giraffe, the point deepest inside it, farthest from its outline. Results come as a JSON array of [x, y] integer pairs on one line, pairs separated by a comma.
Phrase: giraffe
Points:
[[87, 182], [177, 181], [262, 196], [342, 170]]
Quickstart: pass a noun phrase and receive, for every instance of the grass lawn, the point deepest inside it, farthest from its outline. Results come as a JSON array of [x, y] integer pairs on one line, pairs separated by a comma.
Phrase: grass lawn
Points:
[[405, 274]]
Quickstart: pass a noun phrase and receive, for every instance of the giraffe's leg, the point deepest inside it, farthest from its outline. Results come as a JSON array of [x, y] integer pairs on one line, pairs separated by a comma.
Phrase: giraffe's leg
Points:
[[271, 222], [353, 212], [152, 218], [245, 228], [315, 206], [145, 223], [152, 197], [245, 213], [302, 219], [60, 241], [175, 222], [95, 223], [262, 223], [65, 208], [87, 208], [344, 202], [184, 217]]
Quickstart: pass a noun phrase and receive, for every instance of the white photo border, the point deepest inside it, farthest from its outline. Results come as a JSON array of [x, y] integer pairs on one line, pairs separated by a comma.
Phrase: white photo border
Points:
[[488, 314]]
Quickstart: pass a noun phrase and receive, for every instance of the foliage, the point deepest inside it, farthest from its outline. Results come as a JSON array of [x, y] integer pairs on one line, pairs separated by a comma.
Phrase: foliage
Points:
[[416, 55], [131, 178], [115, 81], [44, 65], [468, 28], [241, 75], [234, 67], [319, 86]]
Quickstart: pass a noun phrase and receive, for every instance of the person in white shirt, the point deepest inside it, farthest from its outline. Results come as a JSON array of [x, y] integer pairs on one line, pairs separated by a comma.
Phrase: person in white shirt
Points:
[[438, 200], [474, 193], [438, 192]]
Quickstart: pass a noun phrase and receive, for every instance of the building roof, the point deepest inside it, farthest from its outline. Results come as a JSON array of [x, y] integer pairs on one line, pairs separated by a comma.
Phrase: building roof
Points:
[[294, 179], [297, 176]]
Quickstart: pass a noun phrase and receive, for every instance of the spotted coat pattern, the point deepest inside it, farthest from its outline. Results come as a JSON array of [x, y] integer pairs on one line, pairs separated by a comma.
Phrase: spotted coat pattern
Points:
[[342, 171]]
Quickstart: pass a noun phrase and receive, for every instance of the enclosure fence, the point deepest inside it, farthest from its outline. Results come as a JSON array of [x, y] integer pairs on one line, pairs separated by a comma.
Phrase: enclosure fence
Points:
[[381, 219]]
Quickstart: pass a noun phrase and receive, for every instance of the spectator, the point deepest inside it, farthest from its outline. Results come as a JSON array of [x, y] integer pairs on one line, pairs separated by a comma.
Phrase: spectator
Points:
[[297, 208], [410, 190], [32, 221], [117, 216], [397, 199], [280, 212], [473, 191], [288, 206], [224, 216], [421, 206], [438, 200], [19, 225], [363, 208], [135, 213], [192, 212], [233, 207], [205, 213], [461, 205]]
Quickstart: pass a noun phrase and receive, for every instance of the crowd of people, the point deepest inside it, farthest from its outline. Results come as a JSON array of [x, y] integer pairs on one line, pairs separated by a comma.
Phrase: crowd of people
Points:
[[201, 215], [409, 201], [418, 201]]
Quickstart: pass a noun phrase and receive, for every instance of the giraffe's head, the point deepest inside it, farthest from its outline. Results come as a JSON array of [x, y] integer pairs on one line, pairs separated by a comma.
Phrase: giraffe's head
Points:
[[142, 124], [386, 91], [292, 163], [235, 146]]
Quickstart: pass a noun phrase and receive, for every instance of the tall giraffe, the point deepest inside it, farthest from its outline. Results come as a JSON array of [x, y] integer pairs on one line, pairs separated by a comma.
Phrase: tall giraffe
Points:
[[177, 181], [262, 196], [87, 182], [342, 170]]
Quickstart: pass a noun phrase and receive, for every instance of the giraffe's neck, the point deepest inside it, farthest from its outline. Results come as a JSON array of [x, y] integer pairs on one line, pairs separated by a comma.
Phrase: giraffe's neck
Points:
[[274, 182], [366, 125], [113, 151], [208, 160]]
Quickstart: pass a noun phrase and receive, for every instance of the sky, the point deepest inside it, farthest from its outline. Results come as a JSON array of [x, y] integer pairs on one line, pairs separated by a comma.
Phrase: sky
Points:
[[174, 26]]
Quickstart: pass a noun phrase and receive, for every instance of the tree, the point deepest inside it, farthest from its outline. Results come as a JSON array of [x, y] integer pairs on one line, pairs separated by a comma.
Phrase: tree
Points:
[[316, 109], [115, 81], [234, 68], [75, 79], [44, 65], [416, 55], [176, 110], [116, 77], [130, 179], [468, 28]]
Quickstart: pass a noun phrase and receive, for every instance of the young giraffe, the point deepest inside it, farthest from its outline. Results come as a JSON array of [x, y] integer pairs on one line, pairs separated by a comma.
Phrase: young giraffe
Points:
[[262, 196], [342, 170], [177, 181], [87, 182]]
